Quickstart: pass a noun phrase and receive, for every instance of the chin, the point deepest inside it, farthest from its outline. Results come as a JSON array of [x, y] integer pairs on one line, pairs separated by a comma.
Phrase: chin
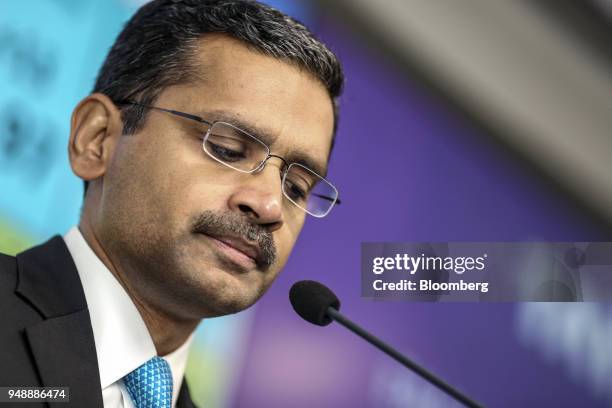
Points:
[[217, 307], [229, 294]]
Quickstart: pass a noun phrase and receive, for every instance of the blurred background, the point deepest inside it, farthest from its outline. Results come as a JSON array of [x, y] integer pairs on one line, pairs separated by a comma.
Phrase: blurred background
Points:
[[461, 121]]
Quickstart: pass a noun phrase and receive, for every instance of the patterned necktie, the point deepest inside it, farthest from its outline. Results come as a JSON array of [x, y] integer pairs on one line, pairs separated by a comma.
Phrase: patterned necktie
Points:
[[150, 385]]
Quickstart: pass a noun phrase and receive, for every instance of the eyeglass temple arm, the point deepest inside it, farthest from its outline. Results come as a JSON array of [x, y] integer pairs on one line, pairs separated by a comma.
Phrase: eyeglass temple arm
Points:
[[173, 112], [327, 198]]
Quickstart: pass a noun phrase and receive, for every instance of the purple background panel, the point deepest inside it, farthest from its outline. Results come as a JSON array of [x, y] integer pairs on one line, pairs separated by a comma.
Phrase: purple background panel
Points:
[[408, 169]]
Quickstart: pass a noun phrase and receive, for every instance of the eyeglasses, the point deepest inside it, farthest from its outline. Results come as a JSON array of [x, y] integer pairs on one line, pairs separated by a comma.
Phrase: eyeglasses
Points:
[[241, 151]]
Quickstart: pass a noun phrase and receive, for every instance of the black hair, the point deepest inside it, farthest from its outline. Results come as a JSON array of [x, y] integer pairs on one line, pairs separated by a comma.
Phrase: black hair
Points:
[[156, 49]]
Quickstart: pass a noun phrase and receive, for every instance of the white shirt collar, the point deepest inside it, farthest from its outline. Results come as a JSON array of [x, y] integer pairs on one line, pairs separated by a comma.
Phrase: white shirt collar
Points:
[[123, 342]]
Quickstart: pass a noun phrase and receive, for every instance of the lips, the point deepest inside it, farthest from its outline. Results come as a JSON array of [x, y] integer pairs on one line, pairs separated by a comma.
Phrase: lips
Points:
[[240, 245], [250, 251]]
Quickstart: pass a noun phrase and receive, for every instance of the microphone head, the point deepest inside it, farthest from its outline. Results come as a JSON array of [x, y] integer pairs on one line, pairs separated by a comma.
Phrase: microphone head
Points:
[[310, 299]]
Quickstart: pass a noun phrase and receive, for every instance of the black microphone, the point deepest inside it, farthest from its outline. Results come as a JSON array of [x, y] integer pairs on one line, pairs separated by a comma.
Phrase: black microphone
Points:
[[317, 304]]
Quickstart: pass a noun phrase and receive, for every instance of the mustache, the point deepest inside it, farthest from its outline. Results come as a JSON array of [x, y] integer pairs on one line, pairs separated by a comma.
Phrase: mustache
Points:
[[219, 224]]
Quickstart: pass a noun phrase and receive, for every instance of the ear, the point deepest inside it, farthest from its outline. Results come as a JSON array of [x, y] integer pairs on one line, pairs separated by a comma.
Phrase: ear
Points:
[[95, 128]]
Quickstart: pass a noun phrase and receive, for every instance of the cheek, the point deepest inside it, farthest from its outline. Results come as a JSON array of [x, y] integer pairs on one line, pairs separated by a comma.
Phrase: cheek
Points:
[[193, 180], [143, 181], [172, 170], [201, 193]]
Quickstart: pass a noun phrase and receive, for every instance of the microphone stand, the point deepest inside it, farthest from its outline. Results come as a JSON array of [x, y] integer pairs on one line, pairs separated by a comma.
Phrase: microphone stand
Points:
[[396, 355]]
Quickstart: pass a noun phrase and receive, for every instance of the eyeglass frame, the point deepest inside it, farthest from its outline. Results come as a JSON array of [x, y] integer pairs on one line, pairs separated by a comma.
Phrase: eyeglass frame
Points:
[[260, 167]]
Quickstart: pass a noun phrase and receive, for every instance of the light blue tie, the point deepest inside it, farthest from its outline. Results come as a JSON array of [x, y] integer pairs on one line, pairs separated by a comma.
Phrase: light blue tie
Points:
[[150, 385]]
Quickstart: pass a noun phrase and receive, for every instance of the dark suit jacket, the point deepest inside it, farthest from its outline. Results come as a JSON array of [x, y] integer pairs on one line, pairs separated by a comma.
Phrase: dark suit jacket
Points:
[[46, 337]]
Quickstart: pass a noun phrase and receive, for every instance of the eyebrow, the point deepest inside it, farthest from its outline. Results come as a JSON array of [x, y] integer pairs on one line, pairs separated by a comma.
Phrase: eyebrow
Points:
[[265, 136]]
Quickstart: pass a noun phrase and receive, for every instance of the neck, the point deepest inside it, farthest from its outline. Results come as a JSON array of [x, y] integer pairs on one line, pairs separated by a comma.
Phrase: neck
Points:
[[168, 332]]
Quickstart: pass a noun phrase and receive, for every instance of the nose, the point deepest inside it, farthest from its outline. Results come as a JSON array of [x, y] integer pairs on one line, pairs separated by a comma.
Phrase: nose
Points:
[[260, 197]]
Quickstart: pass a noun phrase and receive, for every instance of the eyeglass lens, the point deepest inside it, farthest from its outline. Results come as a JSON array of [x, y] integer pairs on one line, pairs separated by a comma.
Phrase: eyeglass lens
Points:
[[239, 150]]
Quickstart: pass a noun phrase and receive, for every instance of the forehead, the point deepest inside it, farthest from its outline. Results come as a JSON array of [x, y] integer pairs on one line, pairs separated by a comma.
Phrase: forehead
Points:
[[279, 101]]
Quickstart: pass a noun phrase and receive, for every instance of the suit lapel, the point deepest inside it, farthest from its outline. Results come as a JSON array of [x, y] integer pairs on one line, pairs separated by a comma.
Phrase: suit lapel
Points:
[[184, 399], [62, 344], [65, 355]]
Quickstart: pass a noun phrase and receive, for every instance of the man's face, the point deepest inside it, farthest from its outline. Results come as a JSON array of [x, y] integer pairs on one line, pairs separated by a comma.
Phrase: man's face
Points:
[[166, 207]]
